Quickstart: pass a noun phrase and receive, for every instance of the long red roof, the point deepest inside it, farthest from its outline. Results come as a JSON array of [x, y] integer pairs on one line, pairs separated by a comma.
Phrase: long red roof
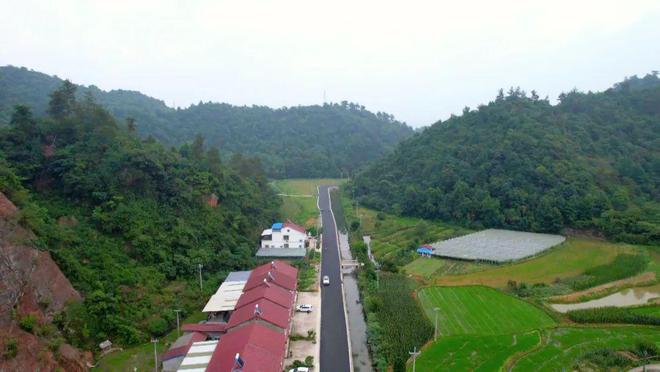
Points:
[[260, 348], [270, 312], [205, 327], [281, 274], [268, 291], [277, 266]]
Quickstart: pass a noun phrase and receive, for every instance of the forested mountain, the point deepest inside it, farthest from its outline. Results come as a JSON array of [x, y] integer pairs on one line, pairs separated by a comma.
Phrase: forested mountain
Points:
[[304, 141], [128, 220], [590, 162]]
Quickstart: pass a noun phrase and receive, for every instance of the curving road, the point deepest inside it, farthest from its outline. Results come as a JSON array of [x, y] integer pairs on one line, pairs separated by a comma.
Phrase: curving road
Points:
[[334, 343]]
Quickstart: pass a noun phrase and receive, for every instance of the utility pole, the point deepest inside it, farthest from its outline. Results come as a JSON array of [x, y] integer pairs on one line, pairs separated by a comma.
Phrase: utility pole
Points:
[[178, 332], [435, 334], [199, 266], [155, 342], [414, 355]]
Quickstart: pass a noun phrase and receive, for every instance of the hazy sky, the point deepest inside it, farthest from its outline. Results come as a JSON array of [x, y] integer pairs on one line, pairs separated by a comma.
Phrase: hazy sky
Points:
[[419, 60]]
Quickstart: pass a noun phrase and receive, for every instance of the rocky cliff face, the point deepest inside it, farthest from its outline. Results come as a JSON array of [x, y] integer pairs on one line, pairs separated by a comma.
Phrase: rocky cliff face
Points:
[[32, 290]]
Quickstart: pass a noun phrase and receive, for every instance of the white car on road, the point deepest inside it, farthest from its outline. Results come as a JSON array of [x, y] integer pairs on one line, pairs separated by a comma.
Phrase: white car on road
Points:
[[326, 280]]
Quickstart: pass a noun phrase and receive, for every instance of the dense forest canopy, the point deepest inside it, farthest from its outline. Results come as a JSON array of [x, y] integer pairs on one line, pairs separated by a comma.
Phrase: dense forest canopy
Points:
[[590, 162], [306, 141], [128, 220]]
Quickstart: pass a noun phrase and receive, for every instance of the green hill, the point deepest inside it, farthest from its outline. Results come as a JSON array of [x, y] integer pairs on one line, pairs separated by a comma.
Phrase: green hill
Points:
[[128, 221], [296, 142], [590, 162]]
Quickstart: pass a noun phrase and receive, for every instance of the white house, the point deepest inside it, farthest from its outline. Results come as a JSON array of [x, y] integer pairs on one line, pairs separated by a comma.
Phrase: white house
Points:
[[284, 235]]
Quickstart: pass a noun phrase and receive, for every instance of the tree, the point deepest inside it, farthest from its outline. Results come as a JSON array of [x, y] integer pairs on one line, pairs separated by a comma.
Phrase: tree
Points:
[[197, 148], [130, 124], [62, 101]]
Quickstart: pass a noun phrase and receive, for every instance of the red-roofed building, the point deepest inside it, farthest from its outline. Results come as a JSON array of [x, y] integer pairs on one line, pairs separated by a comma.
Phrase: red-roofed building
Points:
[[260, 348], [293, 226], [268, 313], [208, 328], [274, 293], [172, 358], [277, 273]]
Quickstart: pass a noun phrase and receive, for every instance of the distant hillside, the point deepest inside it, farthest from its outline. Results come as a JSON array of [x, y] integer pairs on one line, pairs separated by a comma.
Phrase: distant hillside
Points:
[[305, 141], [590, 162]]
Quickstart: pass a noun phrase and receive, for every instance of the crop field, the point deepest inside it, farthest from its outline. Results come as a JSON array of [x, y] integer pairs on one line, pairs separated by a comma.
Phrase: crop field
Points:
[[570, 259], [496, 245], [474, 353], [426, 267], [395, 236], [653, 310], [299, 198], [481, 311], [564, 346], [429, 268]]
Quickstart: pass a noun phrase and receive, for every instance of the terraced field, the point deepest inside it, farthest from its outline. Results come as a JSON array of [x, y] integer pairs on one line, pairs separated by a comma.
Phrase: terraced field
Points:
[[475, 353], [565, 346], [480, 310]]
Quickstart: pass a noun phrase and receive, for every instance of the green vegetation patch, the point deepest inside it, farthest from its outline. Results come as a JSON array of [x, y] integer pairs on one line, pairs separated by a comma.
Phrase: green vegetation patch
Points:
[[475, 353], [395, 320], [647, 310], [623, 266], [480, 310], [616, 315], [299, 198], [564, 347]]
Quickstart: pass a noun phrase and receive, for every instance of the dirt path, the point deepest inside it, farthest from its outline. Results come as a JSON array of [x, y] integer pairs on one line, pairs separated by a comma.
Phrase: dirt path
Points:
[[643, 278]]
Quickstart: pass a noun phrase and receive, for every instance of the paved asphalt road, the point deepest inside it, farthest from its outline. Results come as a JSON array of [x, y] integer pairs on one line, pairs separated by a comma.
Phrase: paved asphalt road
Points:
[[334, 344]]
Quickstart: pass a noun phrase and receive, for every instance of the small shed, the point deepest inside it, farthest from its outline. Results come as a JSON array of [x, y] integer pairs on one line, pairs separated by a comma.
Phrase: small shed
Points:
[[425, 251], [105, 345]]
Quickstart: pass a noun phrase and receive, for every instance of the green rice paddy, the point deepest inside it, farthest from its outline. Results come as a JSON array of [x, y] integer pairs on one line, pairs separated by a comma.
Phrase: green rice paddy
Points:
[[563, 347], [480, 310], [475, 353]]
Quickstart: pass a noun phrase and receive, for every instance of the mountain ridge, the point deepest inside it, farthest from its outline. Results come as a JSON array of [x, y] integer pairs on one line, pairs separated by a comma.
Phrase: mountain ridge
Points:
[[291, 142]]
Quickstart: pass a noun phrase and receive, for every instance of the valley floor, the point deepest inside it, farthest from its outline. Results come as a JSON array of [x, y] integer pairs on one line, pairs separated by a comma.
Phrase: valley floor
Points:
[[494, 317]]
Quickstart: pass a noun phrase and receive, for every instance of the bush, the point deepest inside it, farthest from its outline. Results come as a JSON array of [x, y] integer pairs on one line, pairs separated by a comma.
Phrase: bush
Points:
[[11, 348], [157, 326], [27, 323]]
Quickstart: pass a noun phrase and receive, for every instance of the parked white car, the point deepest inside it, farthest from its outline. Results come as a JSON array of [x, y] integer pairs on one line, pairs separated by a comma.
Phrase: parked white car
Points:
[[326, 280], [300, 369], [304, 308]]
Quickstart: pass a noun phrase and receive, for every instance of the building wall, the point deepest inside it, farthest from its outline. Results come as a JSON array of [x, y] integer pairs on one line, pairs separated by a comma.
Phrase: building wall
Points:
[[296, 239]]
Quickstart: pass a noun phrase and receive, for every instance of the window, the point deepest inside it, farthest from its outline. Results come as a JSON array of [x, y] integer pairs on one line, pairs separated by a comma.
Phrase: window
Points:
[[286, 238]]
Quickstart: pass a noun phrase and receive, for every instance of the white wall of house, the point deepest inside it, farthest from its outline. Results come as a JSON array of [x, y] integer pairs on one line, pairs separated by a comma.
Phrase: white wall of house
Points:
[[285, 238]]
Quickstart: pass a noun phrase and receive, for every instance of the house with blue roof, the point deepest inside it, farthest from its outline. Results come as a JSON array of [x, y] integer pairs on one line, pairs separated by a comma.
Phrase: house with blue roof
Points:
[[425, 250], [283, 239]]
